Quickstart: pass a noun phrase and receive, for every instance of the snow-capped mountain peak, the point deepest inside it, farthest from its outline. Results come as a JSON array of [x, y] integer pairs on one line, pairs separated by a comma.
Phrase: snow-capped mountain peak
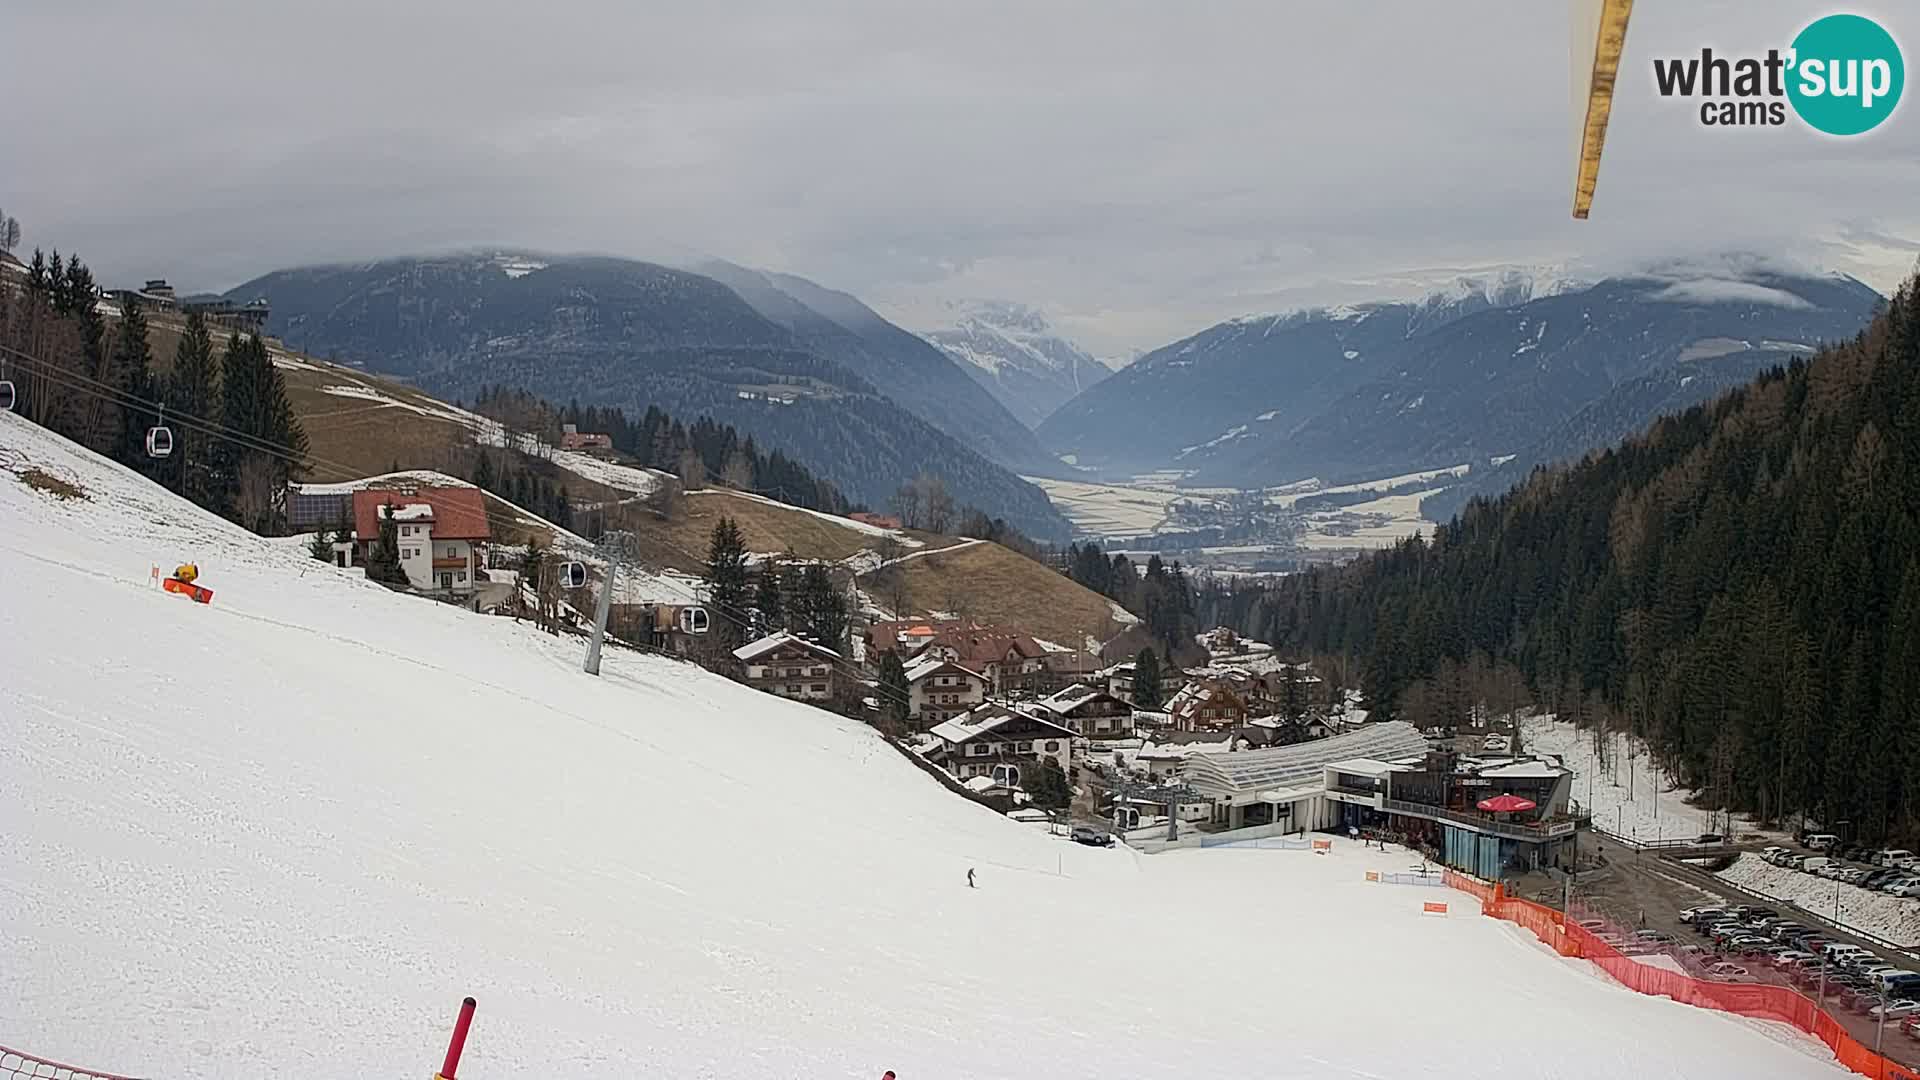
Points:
[[1012, 350]]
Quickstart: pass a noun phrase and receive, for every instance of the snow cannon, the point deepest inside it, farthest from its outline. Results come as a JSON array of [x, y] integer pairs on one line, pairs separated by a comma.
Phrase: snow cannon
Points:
[[182, 582]]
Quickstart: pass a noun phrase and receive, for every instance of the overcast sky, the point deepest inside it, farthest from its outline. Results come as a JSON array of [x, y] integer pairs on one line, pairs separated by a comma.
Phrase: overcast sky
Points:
[[1136, 169]]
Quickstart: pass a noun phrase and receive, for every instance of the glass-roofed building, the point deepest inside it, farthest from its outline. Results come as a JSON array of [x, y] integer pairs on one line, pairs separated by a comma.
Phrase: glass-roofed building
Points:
[[1287, 785]]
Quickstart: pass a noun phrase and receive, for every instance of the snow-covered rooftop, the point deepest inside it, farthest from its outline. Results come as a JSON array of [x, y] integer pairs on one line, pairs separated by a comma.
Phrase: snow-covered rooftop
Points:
[[755, 649], [1524, 770], [1287, 766], [987, 719]]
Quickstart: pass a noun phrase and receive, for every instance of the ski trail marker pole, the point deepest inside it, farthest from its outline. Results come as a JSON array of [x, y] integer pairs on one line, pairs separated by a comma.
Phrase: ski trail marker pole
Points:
[[459, 1041]]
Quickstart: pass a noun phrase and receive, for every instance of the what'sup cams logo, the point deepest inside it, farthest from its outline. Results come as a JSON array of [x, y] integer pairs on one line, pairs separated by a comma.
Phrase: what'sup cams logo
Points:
[[1842, 75]]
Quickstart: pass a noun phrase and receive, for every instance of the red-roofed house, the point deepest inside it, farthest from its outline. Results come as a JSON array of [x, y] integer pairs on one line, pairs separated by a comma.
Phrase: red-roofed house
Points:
[[441, 530], [572, 438]]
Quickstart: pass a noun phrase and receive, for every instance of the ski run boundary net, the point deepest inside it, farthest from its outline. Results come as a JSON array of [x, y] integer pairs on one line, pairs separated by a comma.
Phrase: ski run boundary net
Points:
[[1778, 1003], [15, 1065]]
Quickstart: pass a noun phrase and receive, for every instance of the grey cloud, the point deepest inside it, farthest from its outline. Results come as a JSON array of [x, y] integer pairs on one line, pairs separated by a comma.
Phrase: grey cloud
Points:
[[1711, 291], [1134, 168]]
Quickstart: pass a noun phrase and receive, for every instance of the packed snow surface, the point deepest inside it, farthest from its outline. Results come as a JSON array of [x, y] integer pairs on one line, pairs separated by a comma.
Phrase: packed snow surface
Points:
[[1895, 918], [285, 833], [1620, 785]]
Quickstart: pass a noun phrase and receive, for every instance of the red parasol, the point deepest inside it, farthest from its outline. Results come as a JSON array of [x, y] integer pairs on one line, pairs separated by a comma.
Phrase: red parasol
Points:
[[1506, 804]]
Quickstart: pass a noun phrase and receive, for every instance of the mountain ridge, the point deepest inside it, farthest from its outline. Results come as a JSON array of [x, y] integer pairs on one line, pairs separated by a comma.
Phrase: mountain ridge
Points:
[[608, 331], [1483, 369]]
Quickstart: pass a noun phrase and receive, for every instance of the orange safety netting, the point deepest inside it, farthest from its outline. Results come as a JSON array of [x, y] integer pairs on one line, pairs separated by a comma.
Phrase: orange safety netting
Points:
[[1764, 1002]]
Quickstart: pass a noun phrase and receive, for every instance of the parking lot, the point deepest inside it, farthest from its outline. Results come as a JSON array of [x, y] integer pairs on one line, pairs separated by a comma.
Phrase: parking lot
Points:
[[1640, 900]]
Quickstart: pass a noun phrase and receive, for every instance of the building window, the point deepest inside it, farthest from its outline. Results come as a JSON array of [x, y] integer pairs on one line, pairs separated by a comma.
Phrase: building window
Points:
[[976, 749], [819, 688], [1053, 747], [460, 575], [793, 688]]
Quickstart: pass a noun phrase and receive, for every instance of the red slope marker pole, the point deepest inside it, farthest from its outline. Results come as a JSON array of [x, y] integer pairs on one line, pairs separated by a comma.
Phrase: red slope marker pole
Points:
[[459, 1041]]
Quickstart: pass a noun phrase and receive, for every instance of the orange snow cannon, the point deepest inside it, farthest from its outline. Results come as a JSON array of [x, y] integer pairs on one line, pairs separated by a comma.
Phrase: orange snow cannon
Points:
[[182, 582]]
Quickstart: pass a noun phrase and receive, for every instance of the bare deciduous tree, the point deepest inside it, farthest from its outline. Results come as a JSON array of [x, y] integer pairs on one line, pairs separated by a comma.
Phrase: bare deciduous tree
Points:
[[939, 503], [693, 471], [907, 503], [738, 473]]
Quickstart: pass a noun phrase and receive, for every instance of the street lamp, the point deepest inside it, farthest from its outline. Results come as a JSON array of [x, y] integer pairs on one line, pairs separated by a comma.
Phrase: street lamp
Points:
[[1880, 1029]]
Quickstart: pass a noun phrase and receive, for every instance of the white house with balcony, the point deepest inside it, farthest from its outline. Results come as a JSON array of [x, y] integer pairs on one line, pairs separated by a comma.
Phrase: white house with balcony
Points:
[[939, 690], [791, 667], [999, 742]]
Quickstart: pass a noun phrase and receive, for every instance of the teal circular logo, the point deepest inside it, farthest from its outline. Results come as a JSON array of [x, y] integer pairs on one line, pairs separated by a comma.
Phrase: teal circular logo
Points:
[[1847, 74]]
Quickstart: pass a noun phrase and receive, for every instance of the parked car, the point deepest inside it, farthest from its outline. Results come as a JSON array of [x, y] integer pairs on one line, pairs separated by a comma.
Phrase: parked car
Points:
[[1594, 925], [1819, 841], [1092, 837], [1909, 1024], [1909, 886], [1891, 856], [1652, 935], [1688, 915], [1812, 863], [1710, 838], [1730, 972]]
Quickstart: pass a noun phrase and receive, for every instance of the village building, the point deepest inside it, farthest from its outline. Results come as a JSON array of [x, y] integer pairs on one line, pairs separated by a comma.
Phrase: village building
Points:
[[1432, 798], [1066, 667], [1287, 786], [882, 521], [939, 690], [441, 531], [1089, 712], [999, 742], [572, 438], [791, 667], [1010, 661], [1208, 704]]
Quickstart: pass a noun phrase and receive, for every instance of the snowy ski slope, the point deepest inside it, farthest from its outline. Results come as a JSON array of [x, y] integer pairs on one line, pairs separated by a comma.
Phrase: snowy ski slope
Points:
[[284, 834]]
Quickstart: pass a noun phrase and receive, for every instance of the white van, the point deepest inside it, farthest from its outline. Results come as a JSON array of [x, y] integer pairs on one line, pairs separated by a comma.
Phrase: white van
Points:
[[1839, 951], [1820, 841], [1892, 857], [1812, 863]]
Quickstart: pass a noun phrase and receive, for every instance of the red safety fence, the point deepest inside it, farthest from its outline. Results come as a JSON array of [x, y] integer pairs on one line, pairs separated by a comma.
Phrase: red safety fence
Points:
[[1745, 999], [15, 1065]]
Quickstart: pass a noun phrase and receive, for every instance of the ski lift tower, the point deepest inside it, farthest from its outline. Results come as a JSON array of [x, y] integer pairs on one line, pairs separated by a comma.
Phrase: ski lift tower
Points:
[[1126, 789], [615, 547]]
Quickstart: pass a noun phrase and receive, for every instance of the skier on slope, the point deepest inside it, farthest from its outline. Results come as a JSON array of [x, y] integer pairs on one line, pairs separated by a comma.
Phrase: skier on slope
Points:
[[970, 877]]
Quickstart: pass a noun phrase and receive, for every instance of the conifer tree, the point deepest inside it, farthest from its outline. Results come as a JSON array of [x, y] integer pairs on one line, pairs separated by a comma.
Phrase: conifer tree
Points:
[[383, 559], [826, 608], [726, 576], [896, 701], [1146, 680], [132, 375], [767, 600], [191, 391]]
